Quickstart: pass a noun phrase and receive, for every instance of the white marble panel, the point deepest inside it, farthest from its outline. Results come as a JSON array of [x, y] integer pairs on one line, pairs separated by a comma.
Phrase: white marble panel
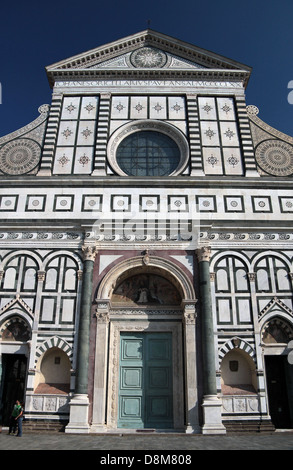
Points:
[[176, 106], [51, 279], [70, 280], [232, 161], [83, 160], [120, 203], [226, 109], [70, 108], [234, 204], [48, 310], [36, 203], [182, 125], [222, 280], [206, 203], [89, 107], [92, 203], [261, 204], [212, 161], [178, 203], [138, 107], [209, 133], [119, 109], [224, 311], [244, 310], [67, 310], [286, 204], [63, 161], [67, 131], [8, 203], [229, 134], [29, 279], [9, 279], [149, 203], [158, 107], [207, 108], [86, 133], [63, 203]]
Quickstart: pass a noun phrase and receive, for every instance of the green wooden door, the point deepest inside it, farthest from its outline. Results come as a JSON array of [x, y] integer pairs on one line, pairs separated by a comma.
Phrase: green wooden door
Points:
[[145, 381]]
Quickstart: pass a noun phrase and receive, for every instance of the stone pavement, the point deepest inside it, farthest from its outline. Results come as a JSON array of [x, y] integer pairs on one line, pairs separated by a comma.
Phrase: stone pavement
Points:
[[145, 442]]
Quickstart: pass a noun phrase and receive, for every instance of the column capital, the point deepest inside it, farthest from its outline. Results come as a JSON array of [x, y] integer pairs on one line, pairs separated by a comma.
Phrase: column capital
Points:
[[189, 315], [89, 252], [204, 253], [41, 276], [251, 276]]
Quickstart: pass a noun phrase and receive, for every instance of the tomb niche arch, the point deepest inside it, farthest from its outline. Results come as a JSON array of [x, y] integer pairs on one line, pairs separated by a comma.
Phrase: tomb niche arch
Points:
[[142, 295]]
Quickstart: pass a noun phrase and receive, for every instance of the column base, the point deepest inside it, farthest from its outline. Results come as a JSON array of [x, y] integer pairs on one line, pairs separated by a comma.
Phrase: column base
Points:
[[78, 418], [212, 407], [193, 430]]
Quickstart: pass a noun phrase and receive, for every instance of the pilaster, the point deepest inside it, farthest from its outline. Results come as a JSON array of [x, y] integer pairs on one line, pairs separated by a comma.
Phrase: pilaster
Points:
[[101, 360], [189, 322]]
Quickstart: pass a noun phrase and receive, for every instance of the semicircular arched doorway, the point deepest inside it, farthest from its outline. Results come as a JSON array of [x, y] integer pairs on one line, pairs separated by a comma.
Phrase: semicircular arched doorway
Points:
[[141, 329]]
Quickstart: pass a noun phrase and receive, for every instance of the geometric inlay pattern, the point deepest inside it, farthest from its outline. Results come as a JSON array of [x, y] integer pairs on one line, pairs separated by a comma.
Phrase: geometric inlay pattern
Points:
[[19, 156], [275, 157]]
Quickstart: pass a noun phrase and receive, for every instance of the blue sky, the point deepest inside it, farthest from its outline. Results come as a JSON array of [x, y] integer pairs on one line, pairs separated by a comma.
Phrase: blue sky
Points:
[[34, 34]]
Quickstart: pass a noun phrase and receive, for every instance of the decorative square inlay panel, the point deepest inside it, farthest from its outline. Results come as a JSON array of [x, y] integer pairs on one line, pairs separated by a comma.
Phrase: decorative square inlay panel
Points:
[[120, 203], [206, 203], [8, 203], [63, 202], [35, 203]]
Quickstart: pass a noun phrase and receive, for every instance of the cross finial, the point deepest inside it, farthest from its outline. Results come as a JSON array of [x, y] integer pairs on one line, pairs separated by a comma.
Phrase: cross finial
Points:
[[149, 24]]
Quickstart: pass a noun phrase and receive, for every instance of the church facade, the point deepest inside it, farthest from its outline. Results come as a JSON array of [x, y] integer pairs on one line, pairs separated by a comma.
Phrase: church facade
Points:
[[146, 248]]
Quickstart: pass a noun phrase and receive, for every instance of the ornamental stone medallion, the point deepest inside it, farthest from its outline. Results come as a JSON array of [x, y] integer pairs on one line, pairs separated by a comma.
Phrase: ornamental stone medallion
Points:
[[19, 156], [148, 57], [275, 157]]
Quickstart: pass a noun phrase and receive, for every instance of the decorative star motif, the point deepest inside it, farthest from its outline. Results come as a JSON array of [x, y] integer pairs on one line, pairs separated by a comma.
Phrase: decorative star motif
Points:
[[89, 107], [67, 132], [86, 132], [209, 133], [63, 160], [176, 107], [70, 108], [229, 133]]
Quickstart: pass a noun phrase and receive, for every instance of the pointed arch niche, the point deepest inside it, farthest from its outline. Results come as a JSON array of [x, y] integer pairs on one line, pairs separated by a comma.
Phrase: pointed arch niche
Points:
[[145, 294]]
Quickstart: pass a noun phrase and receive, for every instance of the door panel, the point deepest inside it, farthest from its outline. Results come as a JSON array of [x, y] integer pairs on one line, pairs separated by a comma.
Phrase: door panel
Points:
[[277, 391], [145, 383], [14, 368]]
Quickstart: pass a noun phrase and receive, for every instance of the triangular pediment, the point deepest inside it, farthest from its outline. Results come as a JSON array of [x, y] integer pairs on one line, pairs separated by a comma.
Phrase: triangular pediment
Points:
[[144, 53], [272, 305], [148, 58], [17, 302]]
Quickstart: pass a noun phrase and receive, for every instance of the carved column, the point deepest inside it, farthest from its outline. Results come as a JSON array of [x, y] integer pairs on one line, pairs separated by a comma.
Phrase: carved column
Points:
[[211, 403], [79, 404]]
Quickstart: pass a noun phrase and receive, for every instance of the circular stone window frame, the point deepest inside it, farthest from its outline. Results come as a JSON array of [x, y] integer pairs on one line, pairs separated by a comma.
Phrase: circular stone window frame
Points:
[[147, 125]]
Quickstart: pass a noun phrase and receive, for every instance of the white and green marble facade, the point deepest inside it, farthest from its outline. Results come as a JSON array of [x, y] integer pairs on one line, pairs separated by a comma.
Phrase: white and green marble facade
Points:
[[60, 180]]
